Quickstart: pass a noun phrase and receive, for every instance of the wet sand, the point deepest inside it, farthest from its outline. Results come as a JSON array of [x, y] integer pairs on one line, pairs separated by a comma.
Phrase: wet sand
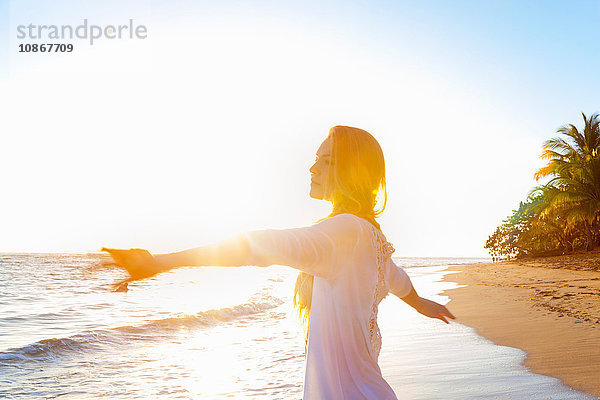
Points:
[[548, 307]]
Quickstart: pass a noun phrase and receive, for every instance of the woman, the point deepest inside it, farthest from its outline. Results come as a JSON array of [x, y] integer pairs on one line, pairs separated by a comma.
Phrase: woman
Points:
[[345, 264]]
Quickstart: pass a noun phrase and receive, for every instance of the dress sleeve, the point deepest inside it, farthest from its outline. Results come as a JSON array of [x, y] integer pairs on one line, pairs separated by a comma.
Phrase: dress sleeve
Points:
[[316, 249], [400, 284]]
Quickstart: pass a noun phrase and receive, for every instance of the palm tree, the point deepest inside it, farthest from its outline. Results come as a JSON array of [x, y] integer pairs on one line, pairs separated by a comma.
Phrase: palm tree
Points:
[[548, 230], [573, 167]]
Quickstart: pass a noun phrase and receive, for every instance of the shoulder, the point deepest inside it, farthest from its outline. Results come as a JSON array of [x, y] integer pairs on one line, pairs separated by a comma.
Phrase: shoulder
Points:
[[344, 226], [346, 220]]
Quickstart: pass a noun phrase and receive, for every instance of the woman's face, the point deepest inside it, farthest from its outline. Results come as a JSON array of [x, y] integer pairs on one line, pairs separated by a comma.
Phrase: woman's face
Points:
[[320, 186]]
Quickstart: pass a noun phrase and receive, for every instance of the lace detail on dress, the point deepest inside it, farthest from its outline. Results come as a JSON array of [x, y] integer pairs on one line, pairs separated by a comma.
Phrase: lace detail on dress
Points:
[[383, 250]]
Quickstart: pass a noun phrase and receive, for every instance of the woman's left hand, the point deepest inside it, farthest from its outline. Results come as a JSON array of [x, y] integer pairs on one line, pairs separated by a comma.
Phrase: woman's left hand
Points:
[[139, 263], [432, 309]]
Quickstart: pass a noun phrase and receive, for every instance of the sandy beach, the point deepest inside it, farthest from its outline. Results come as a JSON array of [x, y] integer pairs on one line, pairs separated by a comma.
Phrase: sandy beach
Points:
[[548, 307]]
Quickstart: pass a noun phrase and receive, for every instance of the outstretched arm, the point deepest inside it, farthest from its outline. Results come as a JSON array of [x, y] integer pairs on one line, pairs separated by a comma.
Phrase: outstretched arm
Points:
[[232, 252], [311, 249], [140, 264], [401, 286]]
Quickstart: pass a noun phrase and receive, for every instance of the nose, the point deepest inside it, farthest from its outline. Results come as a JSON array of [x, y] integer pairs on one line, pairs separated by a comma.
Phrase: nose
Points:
[[313, 170]]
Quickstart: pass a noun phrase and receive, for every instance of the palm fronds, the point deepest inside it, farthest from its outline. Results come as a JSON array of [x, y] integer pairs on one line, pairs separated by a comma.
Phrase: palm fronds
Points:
[[563, 213]]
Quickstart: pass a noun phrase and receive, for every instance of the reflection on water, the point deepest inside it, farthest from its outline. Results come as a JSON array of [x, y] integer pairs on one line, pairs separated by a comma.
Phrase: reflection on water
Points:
[[213, 333]]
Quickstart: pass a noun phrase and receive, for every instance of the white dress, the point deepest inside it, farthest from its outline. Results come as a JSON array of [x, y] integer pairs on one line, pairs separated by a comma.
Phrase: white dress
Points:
[[350, 260]]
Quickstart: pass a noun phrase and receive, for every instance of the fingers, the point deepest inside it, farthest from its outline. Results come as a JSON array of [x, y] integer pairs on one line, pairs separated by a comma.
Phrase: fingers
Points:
[[108, 262], [432, 309], [447, 313], [444, 312], [114, 252], [109, 250], [116, 255]]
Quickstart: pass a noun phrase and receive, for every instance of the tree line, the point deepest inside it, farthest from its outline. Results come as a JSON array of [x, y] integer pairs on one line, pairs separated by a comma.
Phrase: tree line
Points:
[[562, 213]]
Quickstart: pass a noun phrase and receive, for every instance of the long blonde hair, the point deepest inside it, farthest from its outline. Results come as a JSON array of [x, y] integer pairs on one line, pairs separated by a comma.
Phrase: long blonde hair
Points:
[[358, 183]]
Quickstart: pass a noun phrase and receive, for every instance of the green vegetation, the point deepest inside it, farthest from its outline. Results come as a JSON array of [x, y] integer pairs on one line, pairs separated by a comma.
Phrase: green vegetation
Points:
[[561, 215]]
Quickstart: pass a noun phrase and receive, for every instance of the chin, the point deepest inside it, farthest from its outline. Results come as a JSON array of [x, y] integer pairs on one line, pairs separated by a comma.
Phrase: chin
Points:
[[316, 194]]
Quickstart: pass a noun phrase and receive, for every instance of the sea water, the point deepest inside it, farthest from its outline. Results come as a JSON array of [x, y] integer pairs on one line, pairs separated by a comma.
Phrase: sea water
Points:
[[218, 333]]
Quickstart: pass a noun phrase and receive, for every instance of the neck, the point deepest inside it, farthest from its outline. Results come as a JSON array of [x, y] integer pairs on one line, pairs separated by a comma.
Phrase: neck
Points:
[[369, 216]]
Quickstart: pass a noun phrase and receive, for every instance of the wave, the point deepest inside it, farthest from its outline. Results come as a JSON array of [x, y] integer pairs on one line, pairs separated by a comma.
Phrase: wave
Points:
[[48, 349], [206, 318], [56, 348]]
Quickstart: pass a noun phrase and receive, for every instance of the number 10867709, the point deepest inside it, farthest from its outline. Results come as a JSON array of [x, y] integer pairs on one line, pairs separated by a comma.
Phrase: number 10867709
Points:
[[45, 48]]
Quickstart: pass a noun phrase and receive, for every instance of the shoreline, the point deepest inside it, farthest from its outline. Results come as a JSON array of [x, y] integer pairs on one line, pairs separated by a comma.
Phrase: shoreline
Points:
[[547, 307]]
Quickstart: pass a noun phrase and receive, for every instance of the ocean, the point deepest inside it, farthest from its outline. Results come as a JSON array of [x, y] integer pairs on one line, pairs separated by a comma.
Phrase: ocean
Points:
[[222, 333]]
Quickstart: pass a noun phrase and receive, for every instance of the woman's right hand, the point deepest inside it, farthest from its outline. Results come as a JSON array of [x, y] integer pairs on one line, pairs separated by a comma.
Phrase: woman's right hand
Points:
[[139, 263]]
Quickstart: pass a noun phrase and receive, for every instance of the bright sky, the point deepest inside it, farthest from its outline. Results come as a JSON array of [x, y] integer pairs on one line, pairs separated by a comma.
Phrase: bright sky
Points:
[[207, 128]]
